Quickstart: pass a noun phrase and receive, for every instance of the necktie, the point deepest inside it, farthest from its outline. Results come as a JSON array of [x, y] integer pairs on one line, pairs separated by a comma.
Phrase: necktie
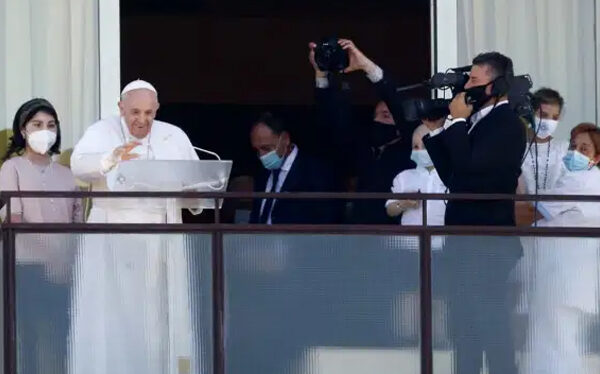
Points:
[[264, 216], [469, 124]]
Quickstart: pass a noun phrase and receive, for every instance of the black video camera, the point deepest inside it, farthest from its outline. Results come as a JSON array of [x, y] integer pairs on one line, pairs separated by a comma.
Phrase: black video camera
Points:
[[330, 56], [434, 109], [455, 79], [430, 109]]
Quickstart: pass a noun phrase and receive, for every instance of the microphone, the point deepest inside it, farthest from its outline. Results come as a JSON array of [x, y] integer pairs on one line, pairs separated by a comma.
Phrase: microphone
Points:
[[207, 152]]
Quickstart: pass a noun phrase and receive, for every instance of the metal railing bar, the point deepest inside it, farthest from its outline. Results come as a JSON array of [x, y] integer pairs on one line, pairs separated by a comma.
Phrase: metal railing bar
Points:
[[9, 300], [298, 195], [230, 228]]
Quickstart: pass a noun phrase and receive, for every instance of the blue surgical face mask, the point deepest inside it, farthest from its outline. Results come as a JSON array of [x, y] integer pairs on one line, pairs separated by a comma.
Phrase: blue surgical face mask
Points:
[[575, 161], [271, 160], [421, 158]]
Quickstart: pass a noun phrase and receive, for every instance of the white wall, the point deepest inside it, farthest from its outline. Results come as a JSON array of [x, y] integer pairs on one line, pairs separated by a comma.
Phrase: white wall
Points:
[[51, 51], [552, 40], [444, 39], [3, 58], [110, 56]]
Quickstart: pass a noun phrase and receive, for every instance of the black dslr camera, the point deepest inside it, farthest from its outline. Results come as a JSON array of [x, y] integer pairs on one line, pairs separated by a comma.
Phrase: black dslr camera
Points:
[[330, 56]]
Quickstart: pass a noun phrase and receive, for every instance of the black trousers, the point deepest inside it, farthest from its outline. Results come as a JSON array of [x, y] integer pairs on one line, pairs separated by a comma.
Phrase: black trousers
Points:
[[475, 272]]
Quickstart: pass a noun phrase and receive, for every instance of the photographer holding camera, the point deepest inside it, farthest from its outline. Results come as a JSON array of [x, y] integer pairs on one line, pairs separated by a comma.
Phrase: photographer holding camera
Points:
[[479, 150], [377, 156]]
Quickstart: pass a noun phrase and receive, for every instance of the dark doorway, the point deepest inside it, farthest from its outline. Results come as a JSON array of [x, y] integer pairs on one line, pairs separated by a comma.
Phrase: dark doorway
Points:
[[217, 64]]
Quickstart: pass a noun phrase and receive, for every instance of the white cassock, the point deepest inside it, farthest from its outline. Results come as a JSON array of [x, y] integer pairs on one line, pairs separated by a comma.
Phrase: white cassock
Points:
[[550, 168], [550, 165], [562, 279], [131, 306], [425, 181]]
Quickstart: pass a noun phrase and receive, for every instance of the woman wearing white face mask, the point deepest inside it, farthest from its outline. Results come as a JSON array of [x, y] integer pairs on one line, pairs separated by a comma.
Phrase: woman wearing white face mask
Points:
[[546, 153], [43, 264], [36, 137], [563, 273]]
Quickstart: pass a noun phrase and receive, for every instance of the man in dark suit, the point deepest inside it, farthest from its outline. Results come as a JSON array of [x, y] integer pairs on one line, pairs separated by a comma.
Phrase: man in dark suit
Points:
[[287, 169], [479, 150], [375, 153]]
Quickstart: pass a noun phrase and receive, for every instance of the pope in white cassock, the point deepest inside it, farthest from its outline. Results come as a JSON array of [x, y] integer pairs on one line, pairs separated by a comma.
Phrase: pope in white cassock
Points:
[[131, 304]]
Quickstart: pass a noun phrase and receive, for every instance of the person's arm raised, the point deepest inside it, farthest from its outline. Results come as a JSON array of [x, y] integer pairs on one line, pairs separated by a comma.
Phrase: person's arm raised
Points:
[[384, 85], [91, 160]]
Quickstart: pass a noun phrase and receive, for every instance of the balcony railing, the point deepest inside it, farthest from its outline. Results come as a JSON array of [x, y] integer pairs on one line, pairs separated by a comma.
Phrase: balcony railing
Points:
[[244, 236]]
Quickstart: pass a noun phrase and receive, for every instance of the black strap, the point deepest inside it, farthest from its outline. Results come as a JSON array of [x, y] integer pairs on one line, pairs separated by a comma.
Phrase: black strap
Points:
[[266, 212]]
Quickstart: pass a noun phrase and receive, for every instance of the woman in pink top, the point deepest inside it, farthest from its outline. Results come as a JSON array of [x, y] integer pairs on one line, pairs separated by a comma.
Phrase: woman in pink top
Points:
[[44, 261], [36, 138]]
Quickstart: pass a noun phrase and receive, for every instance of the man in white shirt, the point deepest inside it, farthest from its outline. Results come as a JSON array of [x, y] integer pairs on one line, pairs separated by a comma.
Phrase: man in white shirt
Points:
[[131, 306]]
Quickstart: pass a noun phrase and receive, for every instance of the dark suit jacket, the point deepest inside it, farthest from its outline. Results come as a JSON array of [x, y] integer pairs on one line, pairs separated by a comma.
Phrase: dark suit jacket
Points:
[[353, 152], [306, 175], [486, 160]]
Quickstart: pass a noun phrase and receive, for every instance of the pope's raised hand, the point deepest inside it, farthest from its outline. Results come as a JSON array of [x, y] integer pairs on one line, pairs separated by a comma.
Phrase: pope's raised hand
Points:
[[123, 152]]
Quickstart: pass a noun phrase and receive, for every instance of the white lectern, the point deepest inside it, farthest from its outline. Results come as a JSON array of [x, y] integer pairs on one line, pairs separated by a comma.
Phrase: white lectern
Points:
[[172, 176], [167, 254]]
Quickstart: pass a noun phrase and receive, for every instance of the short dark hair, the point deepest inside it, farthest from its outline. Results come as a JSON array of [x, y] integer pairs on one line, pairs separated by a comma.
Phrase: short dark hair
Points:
[[271, 121], [24, 114], [549, 96], [500, 65]]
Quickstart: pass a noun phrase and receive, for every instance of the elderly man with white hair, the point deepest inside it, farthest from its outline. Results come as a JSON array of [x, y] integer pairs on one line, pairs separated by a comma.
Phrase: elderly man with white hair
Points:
[[131, 303], [134, 134]]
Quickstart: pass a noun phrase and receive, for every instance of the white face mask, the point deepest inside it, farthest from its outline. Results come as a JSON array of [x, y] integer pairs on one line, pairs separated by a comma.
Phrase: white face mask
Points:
[[41, 141], [546, 127]]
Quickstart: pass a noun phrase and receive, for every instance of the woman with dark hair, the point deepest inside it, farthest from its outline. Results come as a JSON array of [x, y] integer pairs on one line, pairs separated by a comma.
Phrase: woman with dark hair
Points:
[[36, 137], [44, 262]]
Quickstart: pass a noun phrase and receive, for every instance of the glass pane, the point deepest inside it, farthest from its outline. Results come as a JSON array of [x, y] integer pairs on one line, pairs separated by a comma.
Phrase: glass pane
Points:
[[510, 304], [321, 304], [118, 303]]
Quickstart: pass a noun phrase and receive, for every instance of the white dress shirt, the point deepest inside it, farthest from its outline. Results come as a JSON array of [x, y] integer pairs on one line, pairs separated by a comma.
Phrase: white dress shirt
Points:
[[550, 165], [285, 168], [475, 118]]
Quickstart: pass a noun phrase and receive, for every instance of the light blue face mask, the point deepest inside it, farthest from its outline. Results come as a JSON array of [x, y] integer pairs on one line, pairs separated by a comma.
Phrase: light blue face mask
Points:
[[575, 161], [271, 160], [421, 158]]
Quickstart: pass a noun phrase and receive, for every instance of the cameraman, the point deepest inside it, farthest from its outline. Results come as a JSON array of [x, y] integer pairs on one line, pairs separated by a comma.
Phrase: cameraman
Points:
[[375, 157], [479, 150]]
